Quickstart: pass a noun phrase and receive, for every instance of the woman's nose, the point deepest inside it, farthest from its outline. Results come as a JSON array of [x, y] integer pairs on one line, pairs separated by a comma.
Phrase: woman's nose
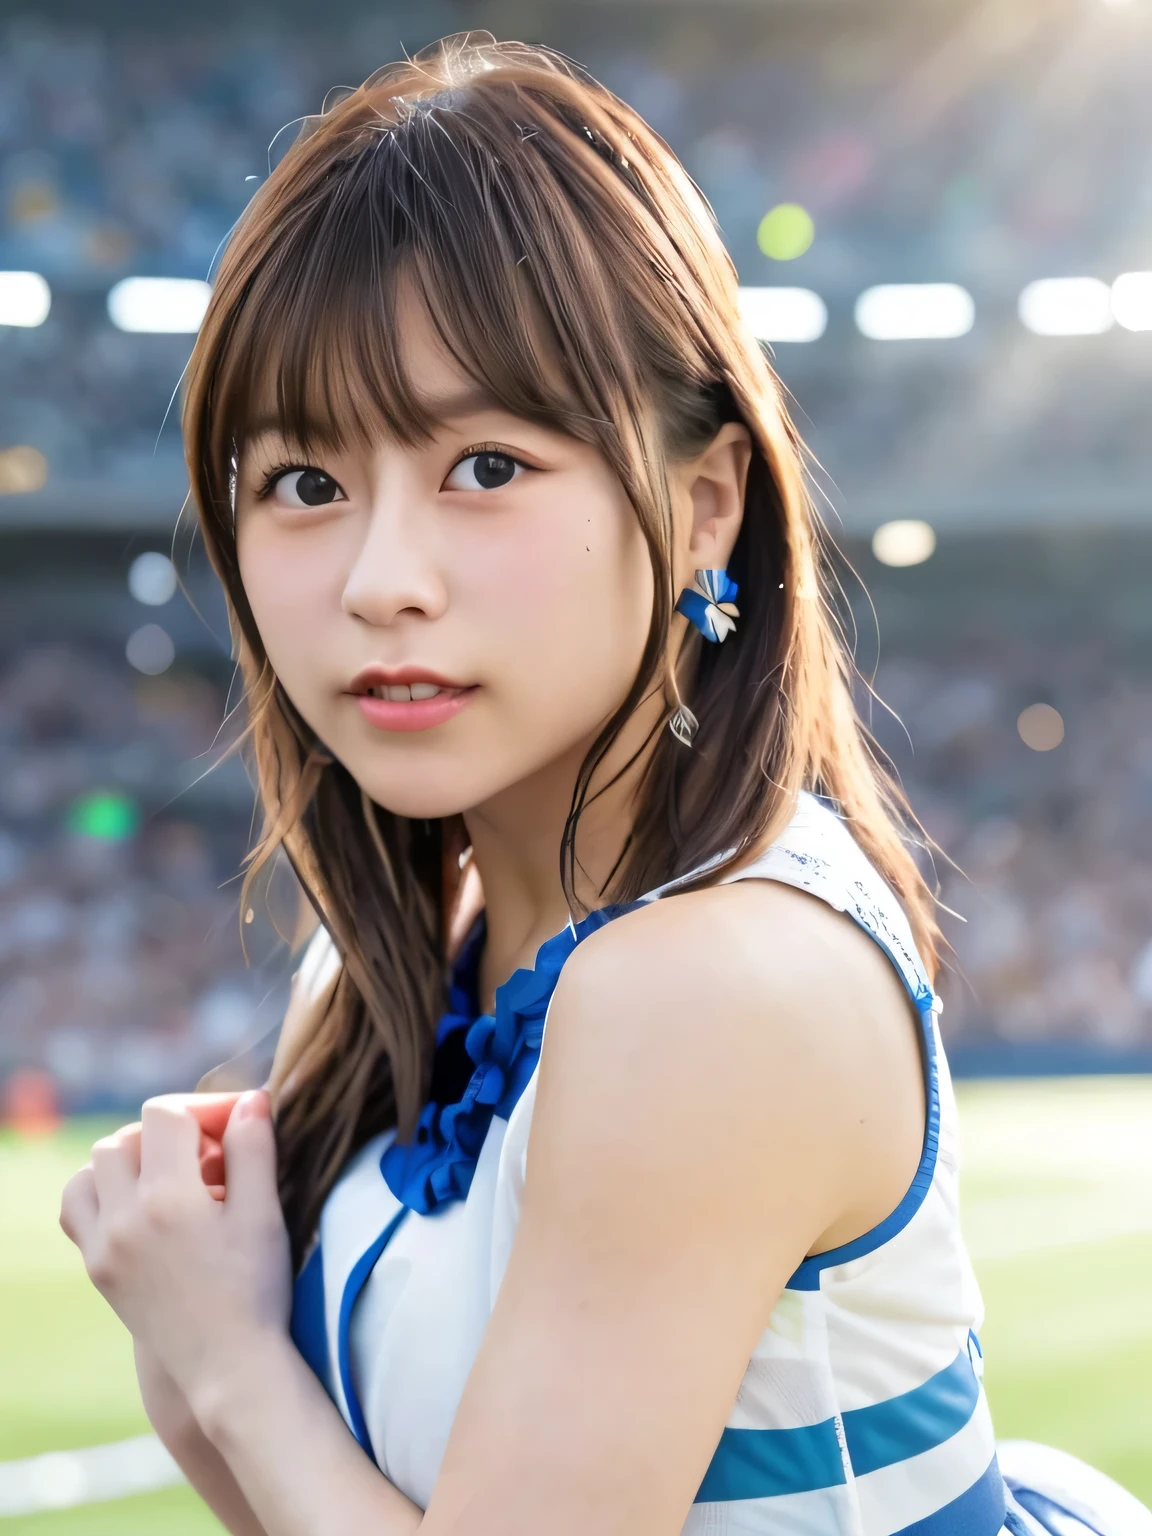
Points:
[[394, 570]]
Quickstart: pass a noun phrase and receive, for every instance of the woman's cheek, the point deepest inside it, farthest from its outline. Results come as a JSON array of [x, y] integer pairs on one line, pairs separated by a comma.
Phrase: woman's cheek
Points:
[[574, 648], [288, 592]]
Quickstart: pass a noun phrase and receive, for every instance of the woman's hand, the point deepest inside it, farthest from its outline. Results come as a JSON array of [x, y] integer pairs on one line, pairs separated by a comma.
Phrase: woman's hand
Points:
[[199, 1277]]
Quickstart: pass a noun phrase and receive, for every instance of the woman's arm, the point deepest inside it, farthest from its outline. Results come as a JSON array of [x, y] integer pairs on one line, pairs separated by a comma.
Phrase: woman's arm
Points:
[[204, 1287], [730, 1081], [290, 1452], [199, 1460]]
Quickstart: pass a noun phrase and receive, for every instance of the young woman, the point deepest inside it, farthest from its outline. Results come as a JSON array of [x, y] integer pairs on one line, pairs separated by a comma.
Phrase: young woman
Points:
[[554, 724]]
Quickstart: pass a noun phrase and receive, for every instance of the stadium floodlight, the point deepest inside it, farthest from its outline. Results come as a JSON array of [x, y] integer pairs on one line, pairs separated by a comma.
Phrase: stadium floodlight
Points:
[[907, 541], [1132, 300], [169, 304], [915, 312], [783, 314], [25, 298], [1067, 306]]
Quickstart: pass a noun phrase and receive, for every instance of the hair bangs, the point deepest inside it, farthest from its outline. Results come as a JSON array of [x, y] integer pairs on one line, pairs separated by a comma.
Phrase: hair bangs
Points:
[[421, 210]]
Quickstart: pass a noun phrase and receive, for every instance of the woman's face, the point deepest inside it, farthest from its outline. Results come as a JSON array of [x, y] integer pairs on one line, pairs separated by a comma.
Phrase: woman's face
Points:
[[501, 557]]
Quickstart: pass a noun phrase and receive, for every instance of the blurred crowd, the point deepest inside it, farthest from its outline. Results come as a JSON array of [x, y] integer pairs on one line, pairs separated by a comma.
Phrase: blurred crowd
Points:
[[915, 143], [121, 968], [1046, 856], [988, 145]]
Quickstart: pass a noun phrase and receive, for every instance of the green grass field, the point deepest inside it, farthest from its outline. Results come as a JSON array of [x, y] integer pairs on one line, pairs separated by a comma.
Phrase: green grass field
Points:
[[1058, 1191]]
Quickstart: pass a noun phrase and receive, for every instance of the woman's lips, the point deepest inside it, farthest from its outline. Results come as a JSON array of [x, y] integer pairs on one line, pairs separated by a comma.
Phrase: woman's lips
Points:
[[414, 714]]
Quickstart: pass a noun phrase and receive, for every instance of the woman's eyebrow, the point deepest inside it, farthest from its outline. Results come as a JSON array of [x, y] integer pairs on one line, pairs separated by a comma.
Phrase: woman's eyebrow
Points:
[[471, 400], [272, 426], [451, 405]]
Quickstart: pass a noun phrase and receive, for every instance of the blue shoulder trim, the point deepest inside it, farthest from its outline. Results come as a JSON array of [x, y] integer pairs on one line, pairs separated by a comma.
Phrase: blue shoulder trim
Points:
[[807, 1277]]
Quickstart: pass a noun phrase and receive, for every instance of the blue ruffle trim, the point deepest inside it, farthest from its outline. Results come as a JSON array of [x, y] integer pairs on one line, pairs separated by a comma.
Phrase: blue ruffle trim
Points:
[[438, 1165]]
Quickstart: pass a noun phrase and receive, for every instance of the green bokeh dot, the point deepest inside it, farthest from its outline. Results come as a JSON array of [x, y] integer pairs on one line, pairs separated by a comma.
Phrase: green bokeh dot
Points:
[[105, 814], [785, 232]]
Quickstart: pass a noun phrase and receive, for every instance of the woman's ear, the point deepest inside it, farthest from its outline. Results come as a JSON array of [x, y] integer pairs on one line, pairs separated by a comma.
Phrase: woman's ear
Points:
[[711, 490]]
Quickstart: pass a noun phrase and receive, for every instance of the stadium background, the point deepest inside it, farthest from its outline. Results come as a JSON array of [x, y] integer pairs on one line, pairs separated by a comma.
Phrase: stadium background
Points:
[[985, 463]]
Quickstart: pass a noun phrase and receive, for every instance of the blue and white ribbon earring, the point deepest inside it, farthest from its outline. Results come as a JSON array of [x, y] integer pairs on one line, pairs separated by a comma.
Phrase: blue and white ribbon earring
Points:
[[709, 606]]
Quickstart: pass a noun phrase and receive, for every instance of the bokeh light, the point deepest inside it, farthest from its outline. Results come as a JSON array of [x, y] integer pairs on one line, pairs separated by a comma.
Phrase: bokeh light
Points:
[[1132, 301], [1067, 306], [173, 305], [22, 469], [783, 314], [25, 298], [1041, 727], [152, 578], [150, 650], [104, 814], [905, 541], [785, 232], [915, 311]]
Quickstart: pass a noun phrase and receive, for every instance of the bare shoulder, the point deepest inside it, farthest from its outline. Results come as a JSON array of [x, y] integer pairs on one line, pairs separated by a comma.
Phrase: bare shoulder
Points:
[[762, 1017], [753, 965]]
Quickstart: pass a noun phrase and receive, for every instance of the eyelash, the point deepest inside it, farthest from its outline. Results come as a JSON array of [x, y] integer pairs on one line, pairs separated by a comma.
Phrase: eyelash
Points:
[[493, 448], [268, 484]]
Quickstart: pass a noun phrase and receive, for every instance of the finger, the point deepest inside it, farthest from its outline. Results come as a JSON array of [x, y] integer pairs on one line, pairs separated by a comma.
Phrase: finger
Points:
[[211, 1161], [250, 1154], [80, 1208], [115, 1170], [212, 1110], [129, 1138], [169, 1142]]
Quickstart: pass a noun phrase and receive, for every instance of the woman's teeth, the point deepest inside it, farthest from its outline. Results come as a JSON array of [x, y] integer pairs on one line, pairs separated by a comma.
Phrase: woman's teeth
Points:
[[404, 693]]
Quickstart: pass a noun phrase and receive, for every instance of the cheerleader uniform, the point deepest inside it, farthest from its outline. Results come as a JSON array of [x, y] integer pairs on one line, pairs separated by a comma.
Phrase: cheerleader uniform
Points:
[[861, 1412]]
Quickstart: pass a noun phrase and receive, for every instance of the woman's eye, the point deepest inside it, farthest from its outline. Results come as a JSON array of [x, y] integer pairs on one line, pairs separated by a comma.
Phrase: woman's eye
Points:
[[305, 488], [484, 472]]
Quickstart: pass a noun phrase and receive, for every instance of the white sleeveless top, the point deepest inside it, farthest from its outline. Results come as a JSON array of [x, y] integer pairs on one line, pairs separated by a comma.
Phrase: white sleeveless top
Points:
[[861, 1412]]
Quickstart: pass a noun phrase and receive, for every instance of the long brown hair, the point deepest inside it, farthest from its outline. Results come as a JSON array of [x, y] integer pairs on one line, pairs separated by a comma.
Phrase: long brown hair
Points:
[[569, 265]]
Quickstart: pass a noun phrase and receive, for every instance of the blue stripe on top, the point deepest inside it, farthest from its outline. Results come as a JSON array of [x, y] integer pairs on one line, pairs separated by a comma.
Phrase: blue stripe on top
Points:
[[980, 1511], [763, 1463], [915, 1421]]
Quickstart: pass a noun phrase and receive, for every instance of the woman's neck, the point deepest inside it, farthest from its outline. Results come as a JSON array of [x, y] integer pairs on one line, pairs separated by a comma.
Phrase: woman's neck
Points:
[[515, 863]]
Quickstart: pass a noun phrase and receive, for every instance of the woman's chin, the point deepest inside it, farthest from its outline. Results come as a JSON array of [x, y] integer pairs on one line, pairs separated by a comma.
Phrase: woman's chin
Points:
[[427, 801]]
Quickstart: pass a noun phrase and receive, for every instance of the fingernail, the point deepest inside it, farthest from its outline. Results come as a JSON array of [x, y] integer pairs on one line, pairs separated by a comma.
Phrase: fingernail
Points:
[[249, 1106]]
